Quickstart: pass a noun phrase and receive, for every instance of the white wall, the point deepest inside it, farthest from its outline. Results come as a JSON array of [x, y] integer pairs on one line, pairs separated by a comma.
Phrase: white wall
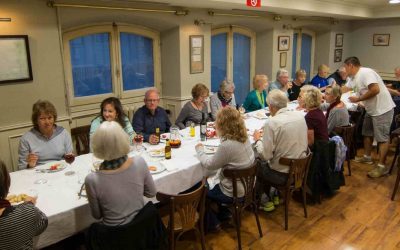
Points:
[[382, 58]]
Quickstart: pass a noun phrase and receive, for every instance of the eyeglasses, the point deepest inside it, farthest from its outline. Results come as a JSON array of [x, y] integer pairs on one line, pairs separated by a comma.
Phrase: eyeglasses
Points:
[[152, 100], [228, 92]]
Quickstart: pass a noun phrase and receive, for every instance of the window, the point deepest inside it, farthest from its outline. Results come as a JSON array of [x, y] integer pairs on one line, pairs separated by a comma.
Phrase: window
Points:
[[109, 60], [232, 57]]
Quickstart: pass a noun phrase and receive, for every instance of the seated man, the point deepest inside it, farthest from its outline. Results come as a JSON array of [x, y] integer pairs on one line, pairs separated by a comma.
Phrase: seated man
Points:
[[320, 80], [150, 116], [285, 135], [340, 76], [394, 89], [282, 81]]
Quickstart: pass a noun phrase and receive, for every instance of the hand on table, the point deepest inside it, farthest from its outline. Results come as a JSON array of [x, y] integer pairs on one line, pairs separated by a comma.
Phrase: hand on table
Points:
[[153, 139], [32, 160], [257, 134]]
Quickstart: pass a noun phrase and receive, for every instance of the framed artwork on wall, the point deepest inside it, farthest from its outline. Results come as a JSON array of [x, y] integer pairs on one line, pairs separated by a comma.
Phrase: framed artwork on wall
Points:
[[339, 40], [283, 43], [338, 55], [282, 60], [381, 39], [196, 54], [15, 60]]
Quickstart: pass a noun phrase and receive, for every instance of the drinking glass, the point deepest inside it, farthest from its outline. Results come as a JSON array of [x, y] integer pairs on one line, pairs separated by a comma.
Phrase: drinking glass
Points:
[[242, 110], [175, 138], [69, 159], [138, 139]]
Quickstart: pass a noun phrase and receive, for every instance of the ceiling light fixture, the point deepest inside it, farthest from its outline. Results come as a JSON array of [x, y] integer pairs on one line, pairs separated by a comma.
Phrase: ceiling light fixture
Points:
[[394, 1], [5, 19]]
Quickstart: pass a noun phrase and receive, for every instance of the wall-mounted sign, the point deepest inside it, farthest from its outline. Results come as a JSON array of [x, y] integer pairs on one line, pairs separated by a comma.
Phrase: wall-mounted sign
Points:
[[253, 3]]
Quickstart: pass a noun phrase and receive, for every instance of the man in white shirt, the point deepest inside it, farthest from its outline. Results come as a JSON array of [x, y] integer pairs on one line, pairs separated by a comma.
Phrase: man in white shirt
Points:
[[372, 92], [285, 135]]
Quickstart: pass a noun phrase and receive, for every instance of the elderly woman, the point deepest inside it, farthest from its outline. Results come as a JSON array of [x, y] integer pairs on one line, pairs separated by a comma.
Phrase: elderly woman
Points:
[[111, 110], [18, 223], [336, 111], [256, 99], [194, 110], [115, 192], [234, 152], [297, 83], [46, 141], [224, 97], [310, 99]]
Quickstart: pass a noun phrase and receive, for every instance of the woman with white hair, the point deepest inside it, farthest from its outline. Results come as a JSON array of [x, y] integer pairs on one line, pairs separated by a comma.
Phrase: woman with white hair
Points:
[[224, 97], [115, 192], [337, 114], [310, 99]]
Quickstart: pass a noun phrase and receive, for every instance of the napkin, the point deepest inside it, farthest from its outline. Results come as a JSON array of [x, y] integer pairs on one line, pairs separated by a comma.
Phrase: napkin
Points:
[[169, 165]]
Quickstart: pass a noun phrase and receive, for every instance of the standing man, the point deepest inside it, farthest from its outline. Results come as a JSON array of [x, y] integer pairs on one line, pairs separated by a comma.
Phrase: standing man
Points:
[[378, 104], [150, 116]]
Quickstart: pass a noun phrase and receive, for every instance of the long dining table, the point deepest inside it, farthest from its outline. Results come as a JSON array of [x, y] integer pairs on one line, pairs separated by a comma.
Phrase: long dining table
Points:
[[68, 213]]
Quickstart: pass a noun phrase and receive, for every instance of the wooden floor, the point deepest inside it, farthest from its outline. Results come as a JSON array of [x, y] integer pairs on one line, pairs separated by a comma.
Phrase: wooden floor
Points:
[[360, 216]]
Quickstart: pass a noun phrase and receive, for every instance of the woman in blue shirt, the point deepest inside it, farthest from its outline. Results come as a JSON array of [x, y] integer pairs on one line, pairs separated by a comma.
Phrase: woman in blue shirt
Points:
[[256, 99]]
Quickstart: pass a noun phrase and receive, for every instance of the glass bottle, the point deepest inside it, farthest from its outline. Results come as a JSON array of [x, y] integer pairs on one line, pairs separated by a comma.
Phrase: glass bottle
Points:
[[158, 135], [203, 127], [192, 130], [167, 150]]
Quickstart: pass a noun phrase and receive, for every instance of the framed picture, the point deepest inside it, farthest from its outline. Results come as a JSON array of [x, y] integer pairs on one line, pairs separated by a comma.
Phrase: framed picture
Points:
[[196, 54], [338, 55], [282, 60], [339, 40], [381, 39], [15, 60], [283, 43]]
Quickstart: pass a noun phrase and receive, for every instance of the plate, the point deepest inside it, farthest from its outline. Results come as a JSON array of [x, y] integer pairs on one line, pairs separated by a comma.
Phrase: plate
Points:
[[16, 199], [155, 167], [260, 115], [210, 150], [157, 152], [52, 167]]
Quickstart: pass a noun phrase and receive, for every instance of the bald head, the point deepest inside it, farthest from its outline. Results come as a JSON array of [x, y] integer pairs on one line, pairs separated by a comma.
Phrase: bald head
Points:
[[397, 72], [151, 99]]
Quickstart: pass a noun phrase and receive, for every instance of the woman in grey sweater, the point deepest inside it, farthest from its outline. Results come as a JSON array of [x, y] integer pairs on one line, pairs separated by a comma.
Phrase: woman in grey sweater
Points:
[[224, 97], [193, 110], [116, 191], [234, 152], [336, 111]]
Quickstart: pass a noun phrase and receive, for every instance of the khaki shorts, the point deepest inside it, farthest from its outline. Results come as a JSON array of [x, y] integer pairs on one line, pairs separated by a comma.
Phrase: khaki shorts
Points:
[[378, 126]]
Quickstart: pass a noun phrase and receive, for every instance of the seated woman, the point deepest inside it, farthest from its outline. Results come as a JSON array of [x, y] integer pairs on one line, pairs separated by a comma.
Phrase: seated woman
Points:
[[235, 152], [194, 110], [46, 141], [115, 192], [336, 111], [224, 97], [256, 99], [294, 91], [111, 110], [18, 223], [310, 99]]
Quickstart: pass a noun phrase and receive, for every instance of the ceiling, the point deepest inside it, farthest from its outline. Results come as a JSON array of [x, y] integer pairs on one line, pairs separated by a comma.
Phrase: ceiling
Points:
[[340, 9]]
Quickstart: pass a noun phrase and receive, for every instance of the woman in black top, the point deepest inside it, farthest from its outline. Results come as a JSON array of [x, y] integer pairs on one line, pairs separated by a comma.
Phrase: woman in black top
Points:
[[297, 84]]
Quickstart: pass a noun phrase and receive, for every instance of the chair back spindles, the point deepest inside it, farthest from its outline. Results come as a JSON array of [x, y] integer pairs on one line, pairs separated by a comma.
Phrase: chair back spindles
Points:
[[81, 137]]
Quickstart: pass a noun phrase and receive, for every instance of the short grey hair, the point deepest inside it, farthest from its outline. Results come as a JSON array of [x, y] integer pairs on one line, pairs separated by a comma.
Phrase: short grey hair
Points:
[[277, 98], [227, 84], [342, 69], [281, 72], [109, 141]]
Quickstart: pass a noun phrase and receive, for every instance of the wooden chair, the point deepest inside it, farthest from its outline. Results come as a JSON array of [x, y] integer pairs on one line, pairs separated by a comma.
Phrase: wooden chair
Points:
[[186, 213], [396, 184], [395, 134], [247, 178], [348, 135], [81, 137], [297, 179]]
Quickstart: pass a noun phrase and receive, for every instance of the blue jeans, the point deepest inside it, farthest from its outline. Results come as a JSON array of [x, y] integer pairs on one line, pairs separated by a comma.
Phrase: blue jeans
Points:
[[213, 218]]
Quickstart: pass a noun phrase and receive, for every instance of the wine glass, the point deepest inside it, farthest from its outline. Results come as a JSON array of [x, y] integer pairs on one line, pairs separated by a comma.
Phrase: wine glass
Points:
[[69, 158], [242, 110], [138, 139]]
